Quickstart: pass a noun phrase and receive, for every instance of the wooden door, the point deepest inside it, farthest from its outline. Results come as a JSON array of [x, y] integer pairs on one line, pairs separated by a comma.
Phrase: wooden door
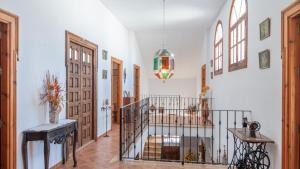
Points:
[[3, 109], [80, 90], [291, 87], [137, 73], [87, 95], [9, 38], [296, 140], [203, 78], [116, 88]]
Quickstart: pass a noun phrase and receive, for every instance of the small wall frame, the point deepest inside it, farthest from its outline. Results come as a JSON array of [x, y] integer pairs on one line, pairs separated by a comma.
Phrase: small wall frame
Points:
[[265, 29], [104, 74], [264, 59], [104, 54]]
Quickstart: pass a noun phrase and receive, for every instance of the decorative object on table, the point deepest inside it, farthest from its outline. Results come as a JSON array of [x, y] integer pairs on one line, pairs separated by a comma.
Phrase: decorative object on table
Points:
[[163, 62], [192, 110], [225, 157], [53, 95], [152, 108], [104, 54], [245, 122], [161, 110], [264, 59], [105, 107], [190, 156], [265, 29], [253, 128], [212, 75], [104, 74], [202, 151], [205, 112], [124, 75]]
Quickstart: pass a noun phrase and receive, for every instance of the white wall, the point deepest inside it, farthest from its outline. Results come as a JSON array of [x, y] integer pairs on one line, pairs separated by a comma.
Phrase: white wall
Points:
[[183, 87], [252, 88], [42, 48]]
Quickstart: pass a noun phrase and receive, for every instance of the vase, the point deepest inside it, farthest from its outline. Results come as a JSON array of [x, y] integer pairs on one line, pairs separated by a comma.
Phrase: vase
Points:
[[54, 114]]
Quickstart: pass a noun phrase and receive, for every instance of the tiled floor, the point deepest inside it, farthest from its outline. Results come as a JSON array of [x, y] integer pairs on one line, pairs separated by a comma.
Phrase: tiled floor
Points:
[[103, 154]]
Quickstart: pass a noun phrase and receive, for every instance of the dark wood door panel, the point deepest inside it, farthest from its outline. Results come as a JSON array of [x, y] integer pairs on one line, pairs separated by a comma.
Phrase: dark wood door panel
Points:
[[80, 90]]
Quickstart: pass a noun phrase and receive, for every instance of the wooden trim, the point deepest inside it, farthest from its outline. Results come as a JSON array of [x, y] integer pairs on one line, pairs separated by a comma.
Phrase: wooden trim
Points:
[[203, 78], [70, 37], [10, 119], [242, 64], [120, 63], [137, 68], [290, 158], [216, 44]]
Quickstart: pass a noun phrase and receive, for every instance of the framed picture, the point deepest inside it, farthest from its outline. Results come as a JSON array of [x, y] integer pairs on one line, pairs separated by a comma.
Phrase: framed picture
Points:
[[104, 54], [264, 59], [265, 29], [211, 63], [104, 74], [212, 75]]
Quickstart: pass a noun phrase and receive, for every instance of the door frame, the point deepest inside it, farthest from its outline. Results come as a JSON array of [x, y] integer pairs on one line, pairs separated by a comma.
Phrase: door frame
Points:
[[71, 37], [203, 78], [12, 21], [137, 68], [289, 128], [120, 99]]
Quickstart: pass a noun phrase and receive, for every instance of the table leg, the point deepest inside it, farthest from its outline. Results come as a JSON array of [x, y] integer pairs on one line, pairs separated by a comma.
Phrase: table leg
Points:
[[24, 152], [46, 153], [75, 137]]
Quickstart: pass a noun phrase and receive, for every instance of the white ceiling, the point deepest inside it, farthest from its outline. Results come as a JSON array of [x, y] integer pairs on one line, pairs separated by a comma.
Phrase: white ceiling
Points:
[[186, 21]]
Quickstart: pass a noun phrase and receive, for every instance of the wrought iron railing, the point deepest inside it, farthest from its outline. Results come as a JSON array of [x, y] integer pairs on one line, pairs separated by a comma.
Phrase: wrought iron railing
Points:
[[173, 128]]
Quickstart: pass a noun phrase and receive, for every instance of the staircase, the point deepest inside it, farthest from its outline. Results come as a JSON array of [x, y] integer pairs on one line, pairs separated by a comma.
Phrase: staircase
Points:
[[152, 148]]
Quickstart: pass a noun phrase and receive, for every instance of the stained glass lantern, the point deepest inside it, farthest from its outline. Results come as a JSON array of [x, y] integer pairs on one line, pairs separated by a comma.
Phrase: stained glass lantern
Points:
[[163, 64]]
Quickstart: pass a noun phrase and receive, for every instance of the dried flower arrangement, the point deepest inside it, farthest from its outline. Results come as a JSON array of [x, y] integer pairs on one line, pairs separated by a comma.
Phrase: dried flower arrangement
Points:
[[54, 95]]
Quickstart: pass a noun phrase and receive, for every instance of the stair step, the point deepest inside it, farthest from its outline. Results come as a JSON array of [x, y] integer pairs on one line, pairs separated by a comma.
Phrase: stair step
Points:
[[153, 145]]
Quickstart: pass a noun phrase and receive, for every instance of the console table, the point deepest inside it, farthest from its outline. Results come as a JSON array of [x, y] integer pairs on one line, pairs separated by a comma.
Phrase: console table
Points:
[[249, 152], [51, 133]]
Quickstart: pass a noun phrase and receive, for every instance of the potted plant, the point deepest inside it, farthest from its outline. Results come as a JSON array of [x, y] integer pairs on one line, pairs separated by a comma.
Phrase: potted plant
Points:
[[54, 96]]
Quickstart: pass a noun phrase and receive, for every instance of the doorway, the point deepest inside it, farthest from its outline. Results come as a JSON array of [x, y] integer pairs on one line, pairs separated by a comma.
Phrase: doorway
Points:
[[8, 59], [203, 78], [116, 89], [291, 87], [81, 67], [137, 79]]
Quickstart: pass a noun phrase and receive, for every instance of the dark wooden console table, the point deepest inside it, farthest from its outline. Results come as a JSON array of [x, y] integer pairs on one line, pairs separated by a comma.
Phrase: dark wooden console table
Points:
[[249, 152], [51, 133]]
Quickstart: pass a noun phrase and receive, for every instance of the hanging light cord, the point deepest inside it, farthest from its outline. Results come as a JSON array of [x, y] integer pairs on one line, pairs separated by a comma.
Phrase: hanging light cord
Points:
[[164, 24]]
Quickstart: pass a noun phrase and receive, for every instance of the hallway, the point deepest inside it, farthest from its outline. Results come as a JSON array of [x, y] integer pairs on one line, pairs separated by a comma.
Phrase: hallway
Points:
[[103, 154]]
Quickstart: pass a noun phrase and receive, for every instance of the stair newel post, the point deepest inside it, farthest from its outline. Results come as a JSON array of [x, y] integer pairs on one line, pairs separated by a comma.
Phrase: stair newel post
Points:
[[121, 128], [212, 137], [142, 121]]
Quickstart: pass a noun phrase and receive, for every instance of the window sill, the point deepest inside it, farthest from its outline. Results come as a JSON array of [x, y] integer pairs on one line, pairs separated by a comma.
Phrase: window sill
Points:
[[238, 66], [218, 72]]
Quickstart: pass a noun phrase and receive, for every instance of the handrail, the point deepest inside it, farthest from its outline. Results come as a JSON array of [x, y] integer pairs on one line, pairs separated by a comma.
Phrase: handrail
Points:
[[141, 122]]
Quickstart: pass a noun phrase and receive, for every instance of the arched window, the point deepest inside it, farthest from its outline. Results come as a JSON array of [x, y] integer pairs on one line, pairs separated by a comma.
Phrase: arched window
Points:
[[218, 57], [238, 35]]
